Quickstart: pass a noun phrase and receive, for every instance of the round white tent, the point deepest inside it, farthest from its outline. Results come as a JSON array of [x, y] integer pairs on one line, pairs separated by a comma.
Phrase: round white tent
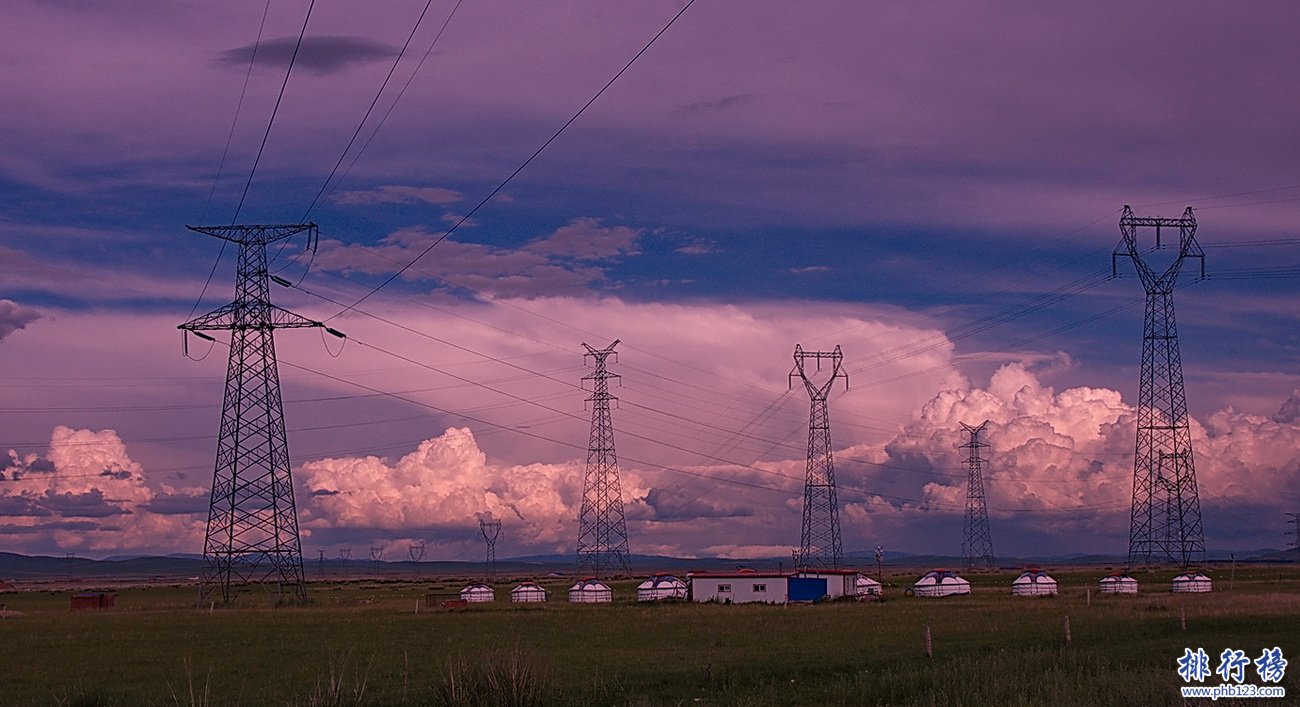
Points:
[[478, 592], [1193, 582], [528, 592], [1033, 583], [1118, 583], [661, 586], [864, 586], [940, 583], [590, 591]]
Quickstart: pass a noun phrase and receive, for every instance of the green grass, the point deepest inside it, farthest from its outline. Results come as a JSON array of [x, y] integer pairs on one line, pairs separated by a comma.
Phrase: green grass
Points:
[[362, 643]]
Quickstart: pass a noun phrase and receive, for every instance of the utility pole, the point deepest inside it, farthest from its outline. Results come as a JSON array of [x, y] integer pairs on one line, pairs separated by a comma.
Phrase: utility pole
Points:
[[819, 543], [977, 540], [1165, 522], [602, 526], [252, 531], [491, 530]]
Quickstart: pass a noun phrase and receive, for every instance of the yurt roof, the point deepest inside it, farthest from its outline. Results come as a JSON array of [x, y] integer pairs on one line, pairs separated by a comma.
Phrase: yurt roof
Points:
[[940, 576], [528, 585], [661, 580], [863, 579], [590, 584], [1191, 576], [1034, 576]]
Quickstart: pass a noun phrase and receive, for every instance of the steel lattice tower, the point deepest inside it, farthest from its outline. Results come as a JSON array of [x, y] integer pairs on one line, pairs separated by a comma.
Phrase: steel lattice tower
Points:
[[602, 527], [976, 541], [252, 533], [819, 544], [1165, 524], [491, 530]]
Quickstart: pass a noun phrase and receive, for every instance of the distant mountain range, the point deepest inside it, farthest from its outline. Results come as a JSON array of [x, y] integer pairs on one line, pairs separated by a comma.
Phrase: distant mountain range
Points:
[[182, 566]]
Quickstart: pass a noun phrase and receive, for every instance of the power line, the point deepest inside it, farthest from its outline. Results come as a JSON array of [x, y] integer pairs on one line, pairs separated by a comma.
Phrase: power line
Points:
[[369, 109], [235, 219], [482, 202], [401, 92]]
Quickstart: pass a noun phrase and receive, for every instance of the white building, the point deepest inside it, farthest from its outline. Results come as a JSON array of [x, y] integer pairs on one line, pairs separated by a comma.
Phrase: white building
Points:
[[528, 592], [477, 593], [1118, 583], [1033, 583], [940, 583], [591, 591], [661, 586], [1192, 582], [749, 586]]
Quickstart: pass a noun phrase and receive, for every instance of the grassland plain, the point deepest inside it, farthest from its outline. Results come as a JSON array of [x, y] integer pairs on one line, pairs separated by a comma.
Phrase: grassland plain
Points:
[[362, 642]]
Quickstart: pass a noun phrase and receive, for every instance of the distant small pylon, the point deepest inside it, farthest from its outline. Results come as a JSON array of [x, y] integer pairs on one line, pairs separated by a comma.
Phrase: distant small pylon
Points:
[[491, 530]]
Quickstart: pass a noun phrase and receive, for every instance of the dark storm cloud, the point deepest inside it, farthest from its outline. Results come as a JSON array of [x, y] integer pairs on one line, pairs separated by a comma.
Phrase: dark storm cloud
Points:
[[178, 504], [319, 55], [90, 504], [669, 504]]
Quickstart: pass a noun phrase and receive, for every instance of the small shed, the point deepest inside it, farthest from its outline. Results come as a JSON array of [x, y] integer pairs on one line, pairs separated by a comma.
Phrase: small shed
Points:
[[1033, 583], [940, 583], [659, 587], [7, 587], [528, 592], [1192, 582], [590, 591], [1118, 583], [93, 600], [478, 593], [740, 587], [864, 586]]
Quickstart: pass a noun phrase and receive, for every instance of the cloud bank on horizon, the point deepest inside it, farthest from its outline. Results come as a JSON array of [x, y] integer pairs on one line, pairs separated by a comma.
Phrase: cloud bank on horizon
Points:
[[934, 187]]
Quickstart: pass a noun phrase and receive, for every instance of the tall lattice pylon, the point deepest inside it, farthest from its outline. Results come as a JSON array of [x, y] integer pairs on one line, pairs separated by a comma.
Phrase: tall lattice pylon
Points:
[[252, 534], [491, 530], [819, 544], [1165, 524], [976, 541], [602, 527]]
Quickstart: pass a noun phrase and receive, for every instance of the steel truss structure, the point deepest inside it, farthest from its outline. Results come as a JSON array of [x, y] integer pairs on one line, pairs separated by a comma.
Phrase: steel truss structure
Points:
[[1165, 523], [977, 540], [819, 543], [602, 526], [252, 531]]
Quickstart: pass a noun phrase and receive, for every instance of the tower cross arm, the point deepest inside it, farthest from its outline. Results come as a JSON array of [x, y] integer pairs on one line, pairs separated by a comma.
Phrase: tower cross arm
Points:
[[255, 233], [242, 316]]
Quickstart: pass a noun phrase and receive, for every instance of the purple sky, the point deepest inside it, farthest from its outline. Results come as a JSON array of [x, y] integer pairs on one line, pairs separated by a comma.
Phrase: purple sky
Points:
[[934, 187]]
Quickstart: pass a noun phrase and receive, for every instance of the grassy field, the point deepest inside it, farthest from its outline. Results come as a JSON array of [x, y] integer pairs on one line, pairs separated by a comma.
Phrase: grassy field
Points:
[[363, 643]]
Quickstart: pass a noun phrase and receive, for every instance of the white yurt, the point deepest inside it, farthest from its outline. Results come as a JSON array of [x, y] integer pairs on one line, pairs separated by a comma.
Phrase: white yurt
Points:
[[1118, 583], [1193, 582], [661, 586], [864, 586], [591, 591], [528, 592], [478, 592], [940, 583], [1033, 583]]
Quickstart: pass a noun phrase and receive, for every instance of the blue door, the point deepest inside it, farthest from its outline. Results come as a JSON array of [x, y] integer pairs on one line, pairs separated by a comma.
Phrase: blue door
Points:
[[807, 588]]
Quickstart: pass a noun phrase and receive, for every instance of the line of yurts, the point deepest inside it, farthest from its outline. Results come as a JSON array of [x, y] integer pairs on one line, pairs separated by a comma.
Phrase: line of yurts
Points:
[[774, 587]]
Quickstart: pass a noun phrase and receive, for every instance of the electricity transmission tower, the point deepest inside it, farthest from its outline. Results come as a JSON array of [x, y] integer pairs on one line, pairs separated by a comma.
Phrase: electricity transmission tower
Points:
[[819, 544], [491, 530], [252, 532], [1295, 531], [977, 541], [376, 552], [602, 527], [416, 551], [1165, 524]]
